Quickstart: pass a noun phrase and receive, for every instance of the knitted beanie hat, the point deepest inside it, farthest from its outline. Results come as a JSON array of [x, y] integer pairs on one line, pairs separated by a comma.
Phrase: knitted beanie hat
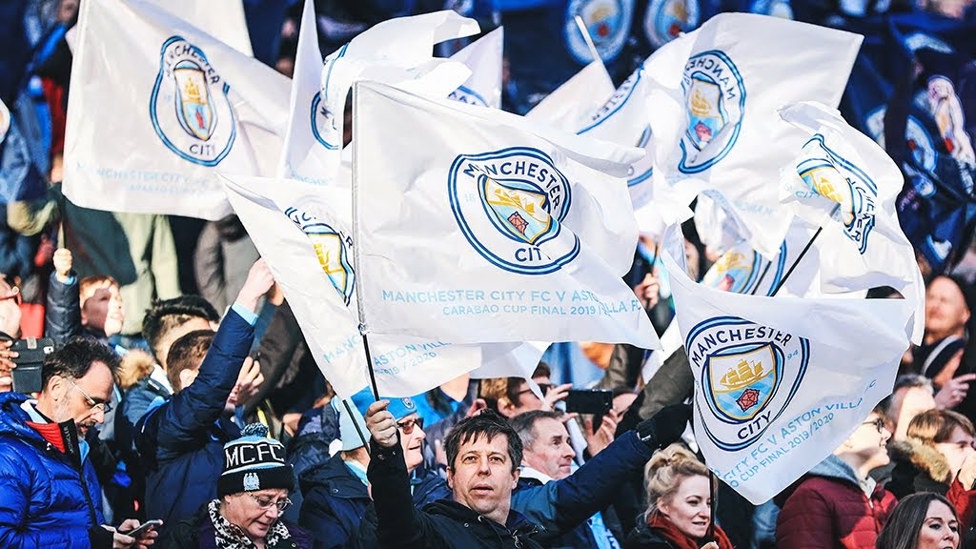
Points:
[[254, 462]]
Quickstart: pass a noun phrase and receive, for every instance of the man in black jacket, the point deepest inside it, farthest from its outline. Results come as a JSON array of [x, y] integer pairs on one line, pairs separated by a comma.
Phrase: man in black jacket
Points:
[[484, 454]]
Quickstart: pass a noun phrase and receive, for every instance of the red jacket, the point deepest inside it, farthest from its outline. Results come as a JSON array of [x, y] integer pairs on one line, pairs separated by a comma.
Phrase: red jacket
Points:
[[829, 509]]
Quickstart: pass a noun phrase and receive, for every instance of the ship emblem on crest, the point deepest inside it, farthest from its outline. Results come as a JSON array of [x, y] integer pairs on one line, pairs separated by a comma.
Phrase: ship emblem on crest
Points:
[[825, 173], [748, 374], [714, 101], [331, 250], [189, 108], [510, 204]]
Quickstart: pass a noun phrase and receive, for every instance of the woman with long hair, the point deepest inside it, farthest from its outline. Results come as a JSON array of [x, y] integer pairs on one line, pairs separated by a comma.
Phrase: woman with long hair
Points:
[[679, 505], [924, 520]]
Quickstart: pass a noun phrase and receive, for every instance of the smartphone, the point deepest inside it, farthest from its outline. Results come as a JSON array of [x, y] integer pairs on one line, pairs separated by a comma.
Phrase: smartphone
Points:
[[143, 528], [31, 352], [589, 401]]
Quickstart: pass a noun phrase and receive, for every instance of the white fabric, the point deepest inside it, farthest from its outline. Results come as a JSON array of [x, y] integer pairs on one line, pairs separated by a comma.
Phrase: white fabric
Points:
[[540, 257], [157, 107], [780, 382], [716, 129], [845, 182], [223, 19], [484, 58], [570, 105], [306, 243]]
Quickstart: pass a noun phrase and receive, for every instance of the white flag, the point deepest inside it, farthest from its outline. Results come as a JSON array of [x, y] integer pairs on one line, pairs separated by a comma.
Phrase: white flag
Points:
[[625, 120], [570, 105], [305, 152], [157, 107], [527, 239], [397, 51], [484, 58], [307, 245], [846, 183], [223, 19], [781, 382], [717, 130]]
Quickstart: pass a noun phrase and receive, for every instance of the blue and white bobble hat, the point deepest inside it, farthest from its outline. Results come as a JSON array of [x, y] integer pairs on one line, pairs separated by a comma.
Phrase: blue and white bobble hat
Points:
[[400, 407], [254, 462]]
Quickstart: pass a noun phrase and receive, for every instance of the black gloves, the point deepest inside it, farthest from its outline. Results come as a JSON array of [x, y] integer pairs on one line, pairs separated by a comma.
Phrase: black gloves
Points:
[[665, 426]]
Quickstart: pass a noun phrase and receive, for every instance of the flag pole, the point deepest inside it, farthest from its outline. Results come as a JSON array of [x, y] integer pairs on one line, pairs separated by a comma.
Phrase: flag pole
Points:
[[762, 276], [587, 38], [369, 364], [355, 424], [796, 261]]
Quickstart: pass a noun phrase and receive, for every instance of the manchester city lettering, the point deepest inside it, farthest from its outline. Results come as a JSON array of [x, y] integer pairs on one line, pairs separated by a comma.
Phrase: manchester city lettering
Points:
[[466, 95], [509, 205], [715, 98], [331, 250], [619, 98], [828, 174], [748, 374], [189, 108]]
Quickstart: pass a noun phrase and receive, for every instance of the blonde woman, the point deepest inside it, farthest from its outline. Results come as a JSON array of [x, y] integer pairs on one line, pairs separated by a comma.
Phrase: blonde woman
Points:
[[679, 505]]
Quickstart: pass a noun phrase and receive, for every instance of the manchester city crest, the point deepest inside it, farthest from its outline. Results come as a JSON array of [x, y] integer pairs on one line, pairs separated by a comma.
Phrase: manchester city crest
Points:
[[606, 21], [665, 20], [748, 374], [327, 110], [323, 123], [826, 173], [331, 249], [510, 205], [189, 108], [742, 270], [715, 97]]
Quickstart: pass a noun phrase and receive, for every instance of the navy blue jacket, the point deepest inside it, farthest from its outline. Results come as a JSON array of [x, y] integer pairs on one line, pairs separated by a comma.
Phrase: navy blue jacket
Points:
[[182, 440], [47, 498], [337, 509]]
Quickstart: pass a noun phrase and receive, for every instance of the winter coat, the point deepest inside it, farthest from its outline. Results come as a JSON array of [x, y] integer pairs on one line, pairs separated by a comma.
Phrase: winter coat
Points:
[[337, 508], [921, 468], [62, 316], [444, 523], [643, 537], [47, 498], [829, 509], [181, 442], [198, 532]]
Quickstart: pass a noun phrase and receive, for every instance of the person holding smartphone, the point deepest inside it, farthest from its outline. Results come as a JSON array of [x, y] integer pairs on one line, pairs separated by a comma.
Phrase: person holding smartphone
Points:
[[49, 492]]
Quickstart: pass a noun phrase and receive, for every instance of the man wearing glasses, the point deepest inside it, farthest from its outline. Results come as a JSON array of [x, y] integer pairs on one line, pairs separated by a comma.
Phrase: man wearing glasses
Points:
[[837, 504], [49, 493]]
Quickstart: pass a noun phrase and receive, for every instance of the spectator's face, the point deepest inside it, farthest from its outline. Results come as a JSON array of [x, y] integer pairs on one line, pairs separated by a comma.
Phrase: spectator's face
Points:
[[82, 399], [956, 449], [689, 508], [550, 452], [482, 475], [869, 442], [9, 308], [527, 401], [245, 511], [412, 440], [945, 308], [103, 310], [940, 529]]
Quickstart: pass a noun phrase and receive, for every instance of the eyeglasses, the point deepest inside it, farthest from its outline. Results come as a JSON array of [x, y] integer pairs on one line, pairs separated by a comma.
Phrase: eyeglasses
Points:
[[407, 425], [878, 423], [104, 407], [265, 502], [543, 388]]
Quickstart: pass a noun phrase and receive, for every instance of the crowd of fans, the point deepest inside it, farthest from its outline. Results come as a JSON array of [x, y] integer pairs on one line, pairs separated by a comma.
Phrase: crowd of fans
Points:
[[178, 404]]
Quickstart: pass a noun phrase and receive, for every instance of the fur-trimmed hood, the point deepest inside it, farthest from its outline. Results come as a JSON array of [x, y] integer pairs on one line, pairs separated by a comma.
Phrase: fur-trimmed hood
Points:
[[926, 459], [135, 365]]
